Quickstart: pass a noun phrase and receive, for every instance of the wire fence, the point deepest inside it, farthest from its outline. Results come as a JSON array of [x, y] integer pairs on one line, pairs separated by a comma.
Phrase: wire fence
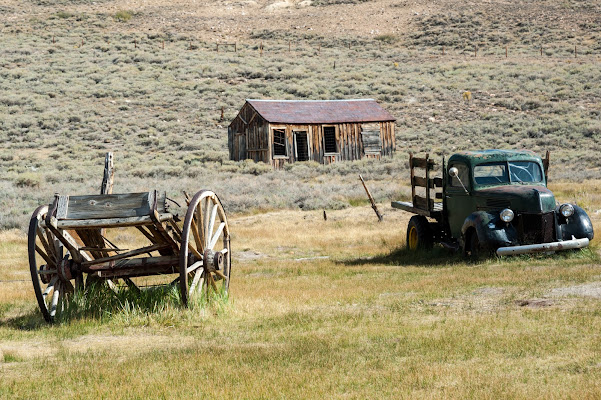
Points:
[[369, 49]]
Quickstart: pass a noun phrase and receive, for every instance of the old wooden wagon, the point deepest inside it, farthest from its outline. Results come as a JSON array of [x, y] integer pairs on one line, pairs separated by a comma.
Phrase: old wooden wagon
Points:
[[69, 245], [326, 131]]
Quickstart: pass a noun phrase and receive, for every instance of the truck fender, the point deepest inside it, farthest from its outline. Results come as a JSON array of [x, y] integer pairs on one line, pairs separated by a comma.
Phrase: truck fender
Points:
[[578, 224], [492, 232]]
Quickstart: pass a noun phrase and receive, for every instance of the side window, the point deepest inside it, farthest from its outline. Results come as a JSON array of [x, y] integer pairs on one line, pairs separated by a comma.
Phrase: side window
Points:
[[279, 142], [463, 175], [329, 139]]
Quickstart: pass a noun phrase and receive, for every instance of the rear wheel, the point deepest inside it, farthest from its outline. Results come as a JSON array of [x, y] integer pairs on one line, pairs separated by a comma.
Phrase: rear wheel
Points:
[[419, 234]]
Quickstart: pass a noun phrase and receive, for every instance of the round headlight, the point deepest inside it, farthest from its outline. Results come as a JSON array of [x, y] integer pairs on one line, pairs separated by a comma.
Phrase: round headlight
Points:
[[507, 215], [566, 210]]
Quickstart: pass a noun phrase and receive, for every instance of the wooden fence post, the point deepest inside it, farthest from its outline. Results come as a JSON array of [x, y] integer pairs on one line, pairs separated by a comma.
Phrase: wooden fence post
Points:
[[506, 51], [575, 52]]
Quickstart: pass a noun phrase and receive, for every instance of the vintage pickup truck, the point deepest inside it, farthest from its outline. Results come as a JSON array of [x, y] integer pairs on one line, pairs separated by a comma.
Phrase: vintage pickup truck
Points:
[[491, 201]]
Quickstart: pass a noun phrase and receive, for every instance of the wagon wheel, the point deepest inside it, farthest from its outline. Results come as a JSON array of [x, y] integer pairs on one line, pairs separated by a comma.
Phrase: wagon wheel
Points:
[[205, 256], [50, 267]]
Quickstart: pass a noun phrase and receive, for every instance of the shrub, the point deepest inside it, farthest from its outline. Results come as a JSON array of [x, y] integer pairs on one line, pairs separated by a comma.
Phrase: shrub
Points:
[[123, 16]]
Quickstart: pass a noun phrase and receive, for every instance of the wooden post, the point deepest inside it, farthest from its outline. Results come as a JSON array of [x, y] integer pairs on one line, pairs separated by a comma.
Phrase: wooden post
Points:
[[53, 41], [235, 47], [217, 48], [222, 116], [107, 178], [334, 64], [325, 216], [261, 49], [428, 182], [371, 200], [411, 177], [475, 51], [109, 174], [575, 52], [506, 52], [135, 43], [541, 51]]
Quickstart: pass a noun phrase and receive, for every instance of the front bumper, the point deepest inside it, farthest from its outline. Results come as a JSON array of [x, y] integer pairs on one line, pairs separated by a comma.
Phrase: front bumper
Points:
[[543, 247]]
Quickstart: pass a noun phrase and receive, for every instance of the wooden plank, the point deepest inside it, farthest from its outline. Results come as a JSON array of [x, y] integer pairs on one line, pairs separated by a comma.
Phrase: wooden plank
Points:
[[419, 181], [421, 163], [128, 254], [422, 202], [113, 205], [109, 222]]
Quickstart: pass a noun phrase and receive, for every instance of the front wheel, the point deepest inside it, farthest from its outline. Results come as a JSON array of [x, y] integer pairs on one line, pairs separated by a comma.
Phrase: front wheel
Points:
[[419, 234], [472, 248]]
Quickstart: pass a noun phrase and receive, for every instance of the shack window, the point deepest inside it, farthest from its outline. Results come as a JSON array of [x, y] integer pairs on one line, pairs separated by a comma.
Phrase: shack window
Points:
[[279, 142], [329, 139]]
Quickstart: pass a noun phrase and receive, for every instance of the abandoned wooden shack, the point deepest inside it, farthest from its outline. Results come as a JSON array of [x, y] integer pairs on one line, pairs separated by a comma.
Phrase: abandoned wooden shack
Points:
[[326, 131]]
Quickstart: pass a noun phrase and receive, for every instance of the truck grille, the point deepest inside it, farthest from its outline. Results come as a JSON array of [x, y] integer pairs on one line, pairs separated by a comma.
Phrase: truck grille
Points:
[[536, 228]]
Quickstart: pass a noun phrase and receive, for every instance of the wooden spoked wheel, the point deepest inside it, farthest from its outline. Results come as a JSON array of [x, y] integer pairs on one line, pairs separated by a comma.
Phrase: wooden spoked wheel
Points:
[[205, 255], [50, 267]]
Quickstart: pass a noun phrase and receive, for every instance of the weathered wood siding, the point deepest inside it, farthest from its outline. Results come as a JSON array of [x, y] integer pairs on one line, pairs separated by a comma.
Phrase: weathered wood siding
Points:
[[250, 136]]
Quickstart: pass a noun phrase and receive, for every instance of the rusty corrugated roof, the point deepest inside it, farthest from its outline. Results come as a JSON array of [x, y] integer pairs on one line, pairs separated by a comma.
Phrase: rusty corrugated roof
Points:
[[320, 111]]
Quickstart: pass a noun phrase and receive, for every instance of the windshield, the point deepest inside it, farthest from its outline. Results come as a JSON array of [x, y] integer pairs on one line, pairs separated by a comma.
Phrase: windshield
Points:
[[519, 171]]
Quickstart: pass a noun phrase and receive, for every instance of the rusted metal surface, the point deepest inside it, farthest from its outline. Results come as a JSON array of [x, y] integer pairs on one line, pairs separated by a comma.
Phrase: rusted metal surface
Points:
[[320, 111]]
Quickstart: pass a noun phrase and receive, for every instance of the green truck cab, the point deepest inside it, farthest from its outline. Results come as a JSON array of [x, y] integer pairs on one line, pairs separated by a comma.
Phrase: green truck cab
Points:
[[491, 201]]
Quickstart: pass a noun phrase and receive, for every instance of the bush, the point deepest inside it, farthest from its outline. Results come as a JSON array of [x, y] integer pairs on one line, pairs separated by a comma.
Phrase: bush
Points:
[[123, 16]]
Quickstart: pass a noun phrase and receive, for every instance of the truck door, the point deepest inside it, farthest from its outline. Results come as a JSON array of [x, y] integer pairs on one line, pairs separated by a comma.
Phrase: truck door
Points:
[[460, 203]]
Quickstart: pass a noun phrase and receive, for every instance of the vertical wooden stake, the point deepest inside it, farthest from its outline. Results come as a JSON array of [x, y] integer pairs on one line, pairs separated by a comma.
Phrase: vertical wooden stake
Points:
[[541, 51], [334, 64], [135, 43], [235, 47], [222, 116], [506, 51], [107, 178], [575, 52], [475, 51], [261, 49], [53, 40], [217, 47], [325, 216]]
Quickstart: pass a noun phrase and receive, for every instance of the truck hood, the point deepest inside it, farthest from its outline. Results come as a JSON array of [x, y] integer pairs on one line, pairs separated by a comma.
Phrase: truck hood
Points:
[[520, 198]]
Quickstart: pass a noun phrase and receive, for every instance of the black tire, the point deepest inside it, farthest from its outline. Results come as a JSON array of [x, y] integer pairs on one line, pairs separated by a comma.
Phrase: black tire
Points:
[[419, 234]]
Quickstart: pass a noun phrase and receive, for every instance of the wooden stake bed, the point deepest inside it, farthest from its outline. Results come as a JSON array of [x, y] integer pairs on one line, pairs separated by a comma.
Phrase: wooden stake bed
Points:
[[68, 243]]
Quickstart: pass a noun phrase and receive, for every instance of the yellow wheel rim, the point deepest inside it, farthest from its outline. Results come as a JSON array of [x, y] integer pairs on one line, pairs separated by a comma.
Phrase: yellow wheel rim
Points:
[[412, 239]]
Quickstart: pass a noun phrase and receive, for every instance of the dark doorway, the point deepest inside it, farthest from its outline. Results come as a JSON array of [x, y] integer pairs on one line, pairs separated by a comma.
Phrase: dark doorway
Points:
[[302, 146]]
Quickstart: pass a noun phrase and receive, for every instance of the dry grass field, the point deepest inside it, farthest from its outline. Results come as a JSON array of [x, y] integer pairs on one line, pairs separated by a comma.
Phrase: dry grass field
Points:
[[318, 309], [324, 309]]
